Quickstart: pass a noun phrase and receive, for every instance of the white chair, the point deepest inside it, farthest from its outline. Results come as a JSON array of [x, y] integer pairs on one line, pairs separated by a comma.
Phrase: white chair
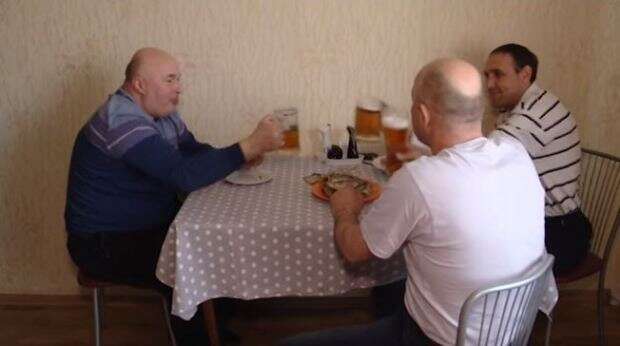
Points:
[[504, 314]]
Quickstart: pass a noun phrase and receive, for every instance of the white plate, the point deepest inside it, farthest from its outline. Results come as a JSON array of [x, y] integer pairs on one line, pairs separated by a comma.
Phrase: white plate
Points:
[[368, 138], [379, 163], [344, 163], [248, 177]]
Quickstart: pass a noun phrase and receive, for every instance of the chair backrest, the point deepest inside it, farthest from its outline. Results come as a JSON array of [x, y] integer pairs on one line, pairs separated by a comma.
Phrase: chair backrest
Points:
[[600, 198], [504, 314]]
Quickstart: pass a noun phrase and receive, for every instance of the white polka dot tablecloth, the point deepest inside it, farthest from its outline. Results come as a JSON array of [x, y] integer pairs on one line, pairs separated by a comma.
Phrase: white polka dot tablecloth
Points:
[[268, 240]]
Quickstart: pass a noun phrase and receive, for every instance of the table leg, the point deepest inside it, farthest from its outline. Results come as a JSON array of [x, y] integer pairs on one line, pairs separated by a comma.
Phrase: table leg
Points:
[[208, 310]]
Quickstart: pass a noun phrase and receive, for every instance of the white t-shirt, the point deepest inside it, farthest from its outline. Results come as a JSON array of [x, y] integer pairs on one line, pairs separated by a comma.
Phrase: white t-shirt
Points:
[[467, 217]]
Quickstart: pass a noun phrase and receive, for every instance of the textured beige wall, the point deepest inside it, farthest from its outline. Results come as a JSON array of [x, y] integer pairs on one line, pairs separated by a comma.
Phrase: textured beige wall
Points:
[[60, 59]]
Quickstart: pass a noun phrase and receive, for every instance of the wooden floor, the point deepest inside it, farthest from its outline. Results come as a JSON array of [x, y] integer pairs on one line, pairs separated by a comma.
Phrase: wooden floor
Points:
[[138, 320]]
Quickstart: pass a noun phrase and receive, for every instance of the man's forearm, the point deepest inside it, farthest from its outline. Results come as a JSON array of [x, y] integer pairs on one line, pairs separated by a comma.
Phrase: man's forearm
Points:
[[189, 145], [157, 158], [349, 239]]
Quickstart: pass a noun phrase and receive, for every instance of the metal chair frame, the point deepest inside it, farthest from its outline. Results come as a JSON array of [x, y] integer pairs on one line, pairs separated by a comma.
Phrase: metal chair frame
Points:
[[599, 191], [98, 288], [513, 306]]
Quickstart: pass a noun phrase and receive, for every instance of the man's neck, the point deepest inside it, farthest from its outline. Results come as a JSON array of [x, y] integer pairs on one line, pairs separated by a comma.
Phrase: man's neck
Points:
[[522, 95], [452, 137], [508, 108], [127, 88]]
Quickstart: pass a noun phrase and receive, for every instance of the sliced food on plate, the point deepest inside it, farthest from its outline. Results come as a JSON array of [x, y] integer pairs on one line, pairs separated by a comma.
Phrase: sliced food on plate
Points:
[[324, 185]]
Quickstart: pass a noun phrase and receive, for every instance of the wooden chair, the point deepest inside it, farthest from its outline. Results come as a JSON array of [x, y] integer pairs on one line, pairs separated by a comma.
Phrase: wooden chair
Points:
[[504, 314], [599, 192], [98, 287], [208, 310]]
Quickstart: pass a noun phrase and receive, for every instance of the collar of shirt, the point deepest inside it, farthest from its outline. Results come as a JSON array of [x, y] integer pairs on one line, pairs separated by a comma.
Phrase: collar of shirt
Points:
[[533, 91]]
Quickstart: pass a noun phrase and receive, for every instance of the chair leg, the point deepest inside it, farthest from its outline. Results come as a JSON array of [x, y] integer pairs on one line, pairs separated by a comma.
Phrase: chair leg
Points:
[[601, 308], [164, 303], [208, 309], [102, 299], [549, 325], [98, 314]]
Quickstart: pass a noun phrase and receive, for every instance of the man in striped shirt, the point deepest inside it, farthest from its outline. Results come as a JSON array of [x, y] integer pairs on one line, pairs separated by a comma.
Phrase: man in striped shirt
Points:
[[549, 133]]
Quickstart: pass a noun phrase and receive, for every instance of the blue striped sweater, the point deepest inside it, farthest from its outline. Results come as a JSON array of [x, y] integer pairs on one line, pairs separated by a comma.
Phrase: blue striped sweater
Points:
[[127, 168]]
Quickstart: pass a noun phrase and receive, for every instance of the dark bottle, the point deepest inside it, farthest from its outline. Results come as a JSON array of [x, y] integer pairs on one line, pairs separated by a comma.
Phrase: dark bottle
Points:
[[334, 153], [352, 148]]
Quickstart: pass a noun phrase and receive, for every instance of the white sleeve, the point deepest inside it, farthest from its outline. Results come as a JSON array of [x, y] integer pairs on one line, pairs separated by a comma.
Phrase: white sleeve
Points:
[[392, 219]]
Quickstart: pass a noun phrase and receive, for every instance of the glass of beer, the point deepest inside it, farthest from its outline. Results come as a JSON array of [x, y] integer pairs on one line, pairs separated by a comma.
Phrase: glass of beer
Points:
[[290, 128], [396, 136], [368, 118]]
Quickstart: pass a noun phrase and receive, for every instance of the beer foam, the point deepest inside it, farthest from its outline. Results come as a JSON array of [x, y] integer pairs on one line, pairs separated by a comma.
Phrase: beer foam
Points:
[[394, 122], [370, 103]]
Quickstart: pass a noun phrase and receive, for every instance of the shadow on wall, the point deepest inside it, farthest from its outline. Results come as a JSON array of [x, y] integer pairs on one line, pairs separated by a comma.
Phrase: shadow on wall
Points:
[[38, 154], [603, 87]]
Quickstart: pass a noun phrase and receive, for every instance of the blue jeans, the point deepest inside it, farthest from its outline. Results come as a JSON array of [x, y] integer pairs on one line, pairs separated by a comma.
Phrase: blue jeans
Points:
[[399, 329]]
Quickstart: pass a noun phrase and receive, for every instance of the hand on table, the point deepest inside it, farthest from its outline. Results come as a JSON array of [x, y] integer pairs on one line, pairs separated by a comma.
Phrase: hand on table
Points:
[[346, 202], [254, 162]]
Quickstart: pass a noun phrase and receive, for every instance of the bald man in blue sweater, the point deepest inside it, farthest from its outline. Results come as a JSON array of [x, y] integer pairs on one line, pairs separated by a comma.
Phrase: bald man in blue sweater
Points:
[[130, 161]]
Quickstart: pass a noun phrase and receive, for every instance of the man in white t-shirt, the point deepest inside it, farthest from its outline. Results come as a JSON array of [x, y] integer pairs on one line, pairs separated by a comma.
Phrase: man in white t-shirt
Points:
[[465, 217]]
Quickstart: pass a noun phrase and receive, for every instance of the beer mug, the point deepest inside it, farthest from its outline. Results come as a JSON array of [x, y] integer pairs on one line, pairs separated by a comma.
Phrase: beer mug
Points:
[[368, 118], [290, 128], [396, 136]]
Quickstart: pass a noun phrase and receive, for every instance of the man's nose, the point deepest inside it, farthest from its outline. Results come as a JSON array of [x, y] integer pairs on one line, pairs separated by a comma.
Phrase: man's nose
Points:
[[490, 82]]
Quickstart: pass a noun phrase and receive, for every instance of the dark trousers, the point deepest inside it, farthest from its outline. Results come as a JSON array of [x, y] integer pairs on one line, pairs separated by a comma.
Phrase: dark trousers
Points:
[[388, 299], [567, 237], [399, 329], [130, 258]]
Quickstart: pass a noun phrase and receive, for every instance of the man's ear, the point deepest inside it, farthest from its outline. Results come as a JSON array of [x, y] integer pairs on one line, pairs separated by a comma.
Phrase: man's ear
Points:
[[526, 73], [139, 84], [425, 115]]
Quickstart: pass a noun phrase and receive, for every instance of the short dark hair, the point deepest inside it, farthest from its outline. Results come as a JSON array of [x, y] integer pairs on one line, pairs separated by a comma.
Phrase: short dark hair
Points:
[[522, 57], [131, 69]]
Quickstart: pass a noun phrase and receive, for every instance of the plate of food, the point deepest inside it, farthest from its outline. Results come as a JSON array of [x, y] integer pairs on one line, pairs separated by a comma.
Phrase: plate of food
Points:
[[246, 176], [324, 185]]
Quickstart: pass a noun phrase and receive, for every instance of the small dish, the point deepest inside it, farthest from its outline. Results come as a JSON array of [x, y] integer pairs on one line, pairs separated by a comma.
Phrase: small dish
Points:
[[344, 163], [379, 163], [248, 177]]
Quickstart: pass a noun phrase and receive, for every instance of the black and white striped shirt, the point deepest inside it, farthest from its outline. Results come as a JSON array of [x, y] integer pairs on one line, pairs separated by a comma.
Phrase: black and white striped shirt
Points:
[[549, 133]]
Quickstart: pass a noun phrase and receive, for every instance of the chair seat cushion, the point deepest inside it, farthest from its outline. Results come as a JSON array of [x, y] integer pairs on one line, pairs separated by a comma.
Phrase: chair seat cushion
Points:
[[590, 265], [87, 281]]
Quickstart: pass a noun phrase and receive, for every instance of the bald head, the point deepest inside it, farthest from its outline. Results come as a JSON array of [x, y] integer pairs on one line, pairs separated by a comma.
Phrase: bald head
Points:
[[144, 60], [153, 80], [451, 88]]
